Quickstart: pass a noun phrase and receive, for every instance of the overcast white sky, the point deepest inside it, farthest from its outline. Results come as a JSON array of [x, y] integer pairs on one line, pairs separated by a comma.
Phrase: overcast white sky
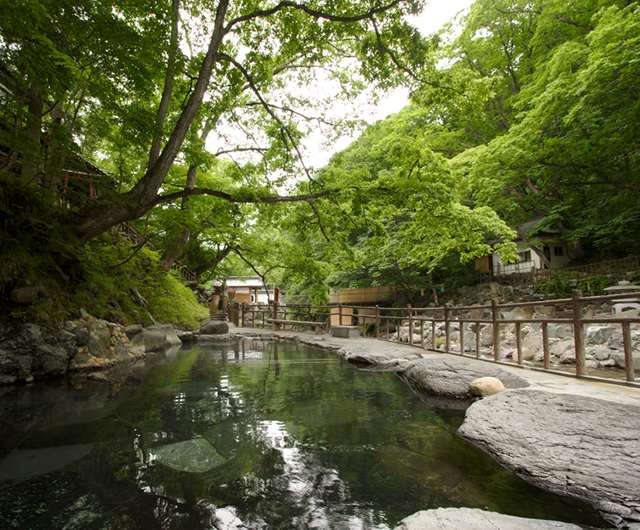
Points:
[[436, 14]]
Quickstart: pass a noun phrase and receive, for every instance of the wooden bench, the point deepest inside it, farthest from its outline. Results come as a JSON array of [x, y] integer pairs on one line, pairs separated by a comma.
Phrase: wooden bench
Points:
[[276, 323]]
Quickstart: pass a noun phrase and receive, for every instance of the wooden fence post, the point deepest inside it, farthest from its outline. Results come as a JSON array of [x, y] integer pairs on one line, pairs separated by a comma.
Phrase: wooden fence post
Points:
[[477, 340], [340, 312], [519, 343], [410, 325], [434, 342], [545, 345], [377, 322], [578, 333], [495, 319], [309, 312], [628, 354], [461, 338], [447, 328]]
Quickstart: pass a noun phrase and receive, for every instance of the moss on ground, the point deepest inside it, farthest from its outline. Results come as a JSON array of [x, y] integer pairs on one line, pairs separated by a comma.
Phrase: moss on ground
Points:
[[110, 274]]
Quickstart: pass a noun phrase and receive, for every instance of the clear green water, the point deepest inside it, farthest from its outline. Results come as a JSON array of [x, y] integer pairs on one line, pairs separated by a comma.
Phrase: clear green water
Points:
[[249, 435]]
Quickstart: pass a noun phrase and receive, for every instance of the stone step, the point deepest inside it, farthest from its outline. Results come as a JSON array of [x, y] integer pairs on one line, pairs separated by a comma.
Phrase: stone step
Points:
[[218, 315]]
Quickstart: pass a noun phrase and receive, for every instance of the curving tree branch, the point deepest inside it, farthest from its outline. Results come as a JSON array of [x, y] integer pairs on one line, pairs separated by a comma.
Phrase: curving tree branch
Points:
[[270, 199], [314, 13]]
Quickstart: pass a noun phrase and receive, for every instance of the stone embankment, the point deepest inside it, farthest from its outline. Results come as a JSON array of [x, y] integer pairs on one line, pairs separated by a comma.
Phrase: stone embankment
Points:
[[32, 351]]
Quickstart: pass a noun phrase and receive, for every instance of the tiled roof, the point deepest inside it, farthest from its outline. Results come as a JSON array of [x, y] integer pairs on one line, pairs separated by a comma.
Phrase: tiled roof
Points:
[[528, 228]]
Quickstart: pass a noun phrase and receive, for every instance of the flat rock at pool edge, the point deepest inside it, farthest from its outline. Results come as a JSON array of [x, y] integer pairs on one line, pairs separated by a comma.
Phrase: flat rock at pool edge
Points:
[[474, 519], [451, 377], [572, 445]]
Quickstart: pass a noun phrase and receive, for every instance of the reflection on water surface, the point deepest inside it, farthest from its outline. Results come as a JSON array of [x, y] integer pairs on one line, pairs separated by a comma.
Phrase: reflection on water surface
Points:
[[249, 435]]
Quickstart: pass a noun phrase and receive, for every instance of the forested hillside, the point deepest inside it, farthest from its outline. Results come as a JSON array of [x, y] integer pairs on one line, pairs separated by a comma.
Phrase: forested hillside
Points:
[[195, 121], [532, 110]]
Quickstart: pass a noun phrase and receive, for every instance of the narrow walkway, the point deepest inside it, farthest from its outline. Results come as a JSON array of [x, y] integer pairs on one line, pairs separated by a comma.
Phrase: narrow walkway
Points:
[[377, 351]]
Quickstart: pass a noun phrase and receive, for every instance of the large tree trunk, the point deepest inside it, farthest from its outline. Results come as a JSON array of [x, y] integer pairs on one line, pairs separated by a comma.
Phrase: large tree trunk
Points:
[[178, 242], [108, 211], [31, 157]]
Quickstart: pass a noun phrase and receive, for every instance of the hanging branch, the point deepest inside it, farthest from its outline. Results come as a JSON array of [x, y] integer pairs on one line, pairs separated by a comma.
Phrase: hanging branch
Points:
[[317, 214], [136, 250], [284, 130], [262, 277]]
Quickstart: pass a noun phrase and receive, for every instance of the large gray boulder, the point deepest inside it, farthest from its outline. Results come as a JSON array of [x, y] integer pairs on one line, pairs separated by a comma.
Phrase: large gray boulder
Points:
[[571, 445], [562, 346], [214, 327], [151, 339], [50, 360], [616, 341], [147, 341], [600, 353], [169, 331], [599, 334], [99, 338], [27, 295], [32, 350], [131, 331], [450, 377], [193, 456], [474, 519], [619, 359], [560, 331]]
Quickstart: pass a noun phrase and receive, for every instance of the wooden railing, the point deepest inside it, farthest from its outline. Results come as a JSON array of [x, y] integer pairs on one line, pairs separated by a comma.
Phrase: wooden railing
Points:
[[381, 322], [256, 315], [615, 266], [602, 268]]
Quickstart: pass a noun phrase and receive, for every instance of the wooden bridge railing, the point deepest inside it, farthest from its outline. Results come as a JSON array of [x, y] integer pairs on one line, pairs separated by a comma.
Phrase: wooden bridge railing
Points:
[[382, 322]]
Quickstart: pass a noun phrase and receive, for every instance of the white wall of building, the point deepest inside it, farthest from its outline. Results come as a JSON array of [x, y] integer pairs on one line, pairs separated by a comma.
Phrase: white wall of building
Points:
[[557, 253]]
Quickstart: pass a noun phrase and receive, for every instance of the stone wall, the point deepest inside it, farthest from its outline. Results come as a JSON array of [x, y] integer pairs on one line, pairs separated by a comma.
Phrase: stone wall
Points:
[[30, 351]]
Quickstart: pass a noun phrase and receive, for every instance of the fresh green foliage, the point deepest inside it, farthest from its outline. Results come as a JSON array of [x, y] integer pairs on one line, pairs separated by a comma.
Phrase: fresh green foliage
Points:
[[562, 284], [594, 285], [104, 279], [112, 275], [569, 146], [558, 287], [201, 114], [399, 215]]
